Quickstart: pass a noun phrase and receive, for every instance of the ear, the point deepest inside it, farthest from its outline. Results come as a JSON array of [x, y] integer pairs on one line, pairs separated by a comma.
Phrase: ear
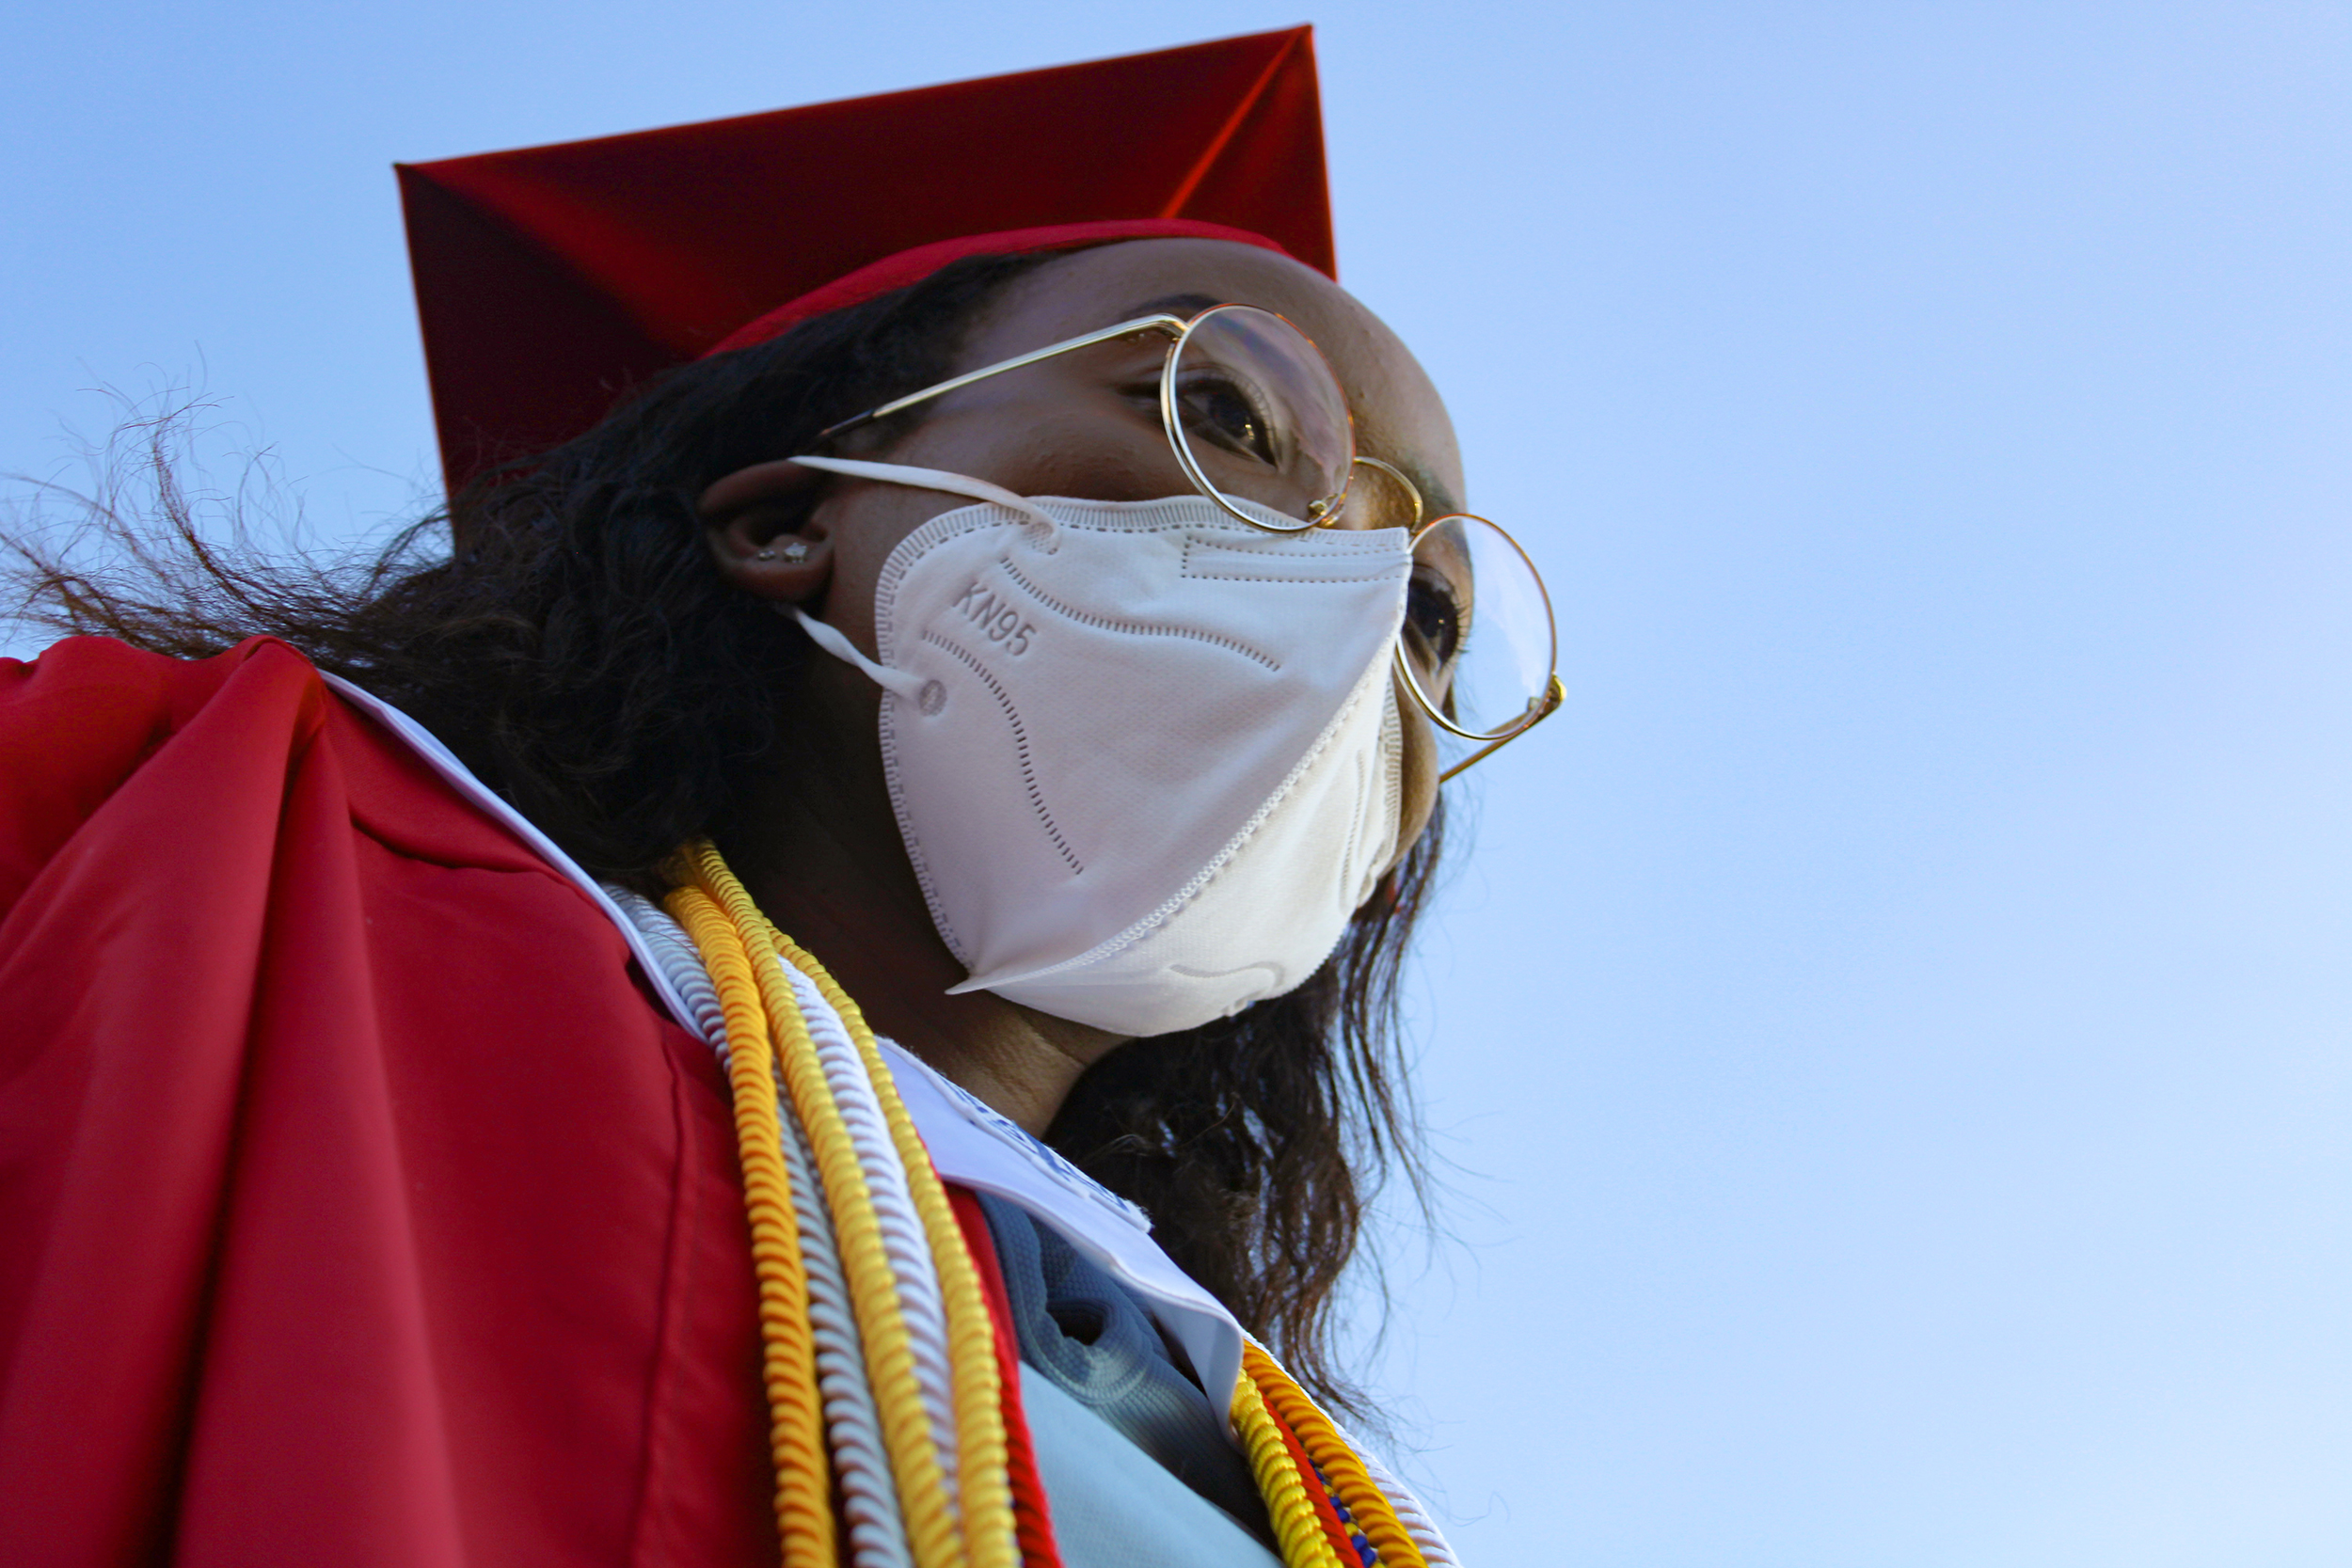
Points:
[[763, 531]]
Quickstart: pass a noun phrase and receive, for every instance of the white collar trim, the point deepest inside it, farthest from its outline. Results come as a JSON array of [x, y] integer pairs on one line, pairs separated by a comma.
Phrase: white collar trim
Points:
[[971, 1144], [975, 1146], [444, 762]]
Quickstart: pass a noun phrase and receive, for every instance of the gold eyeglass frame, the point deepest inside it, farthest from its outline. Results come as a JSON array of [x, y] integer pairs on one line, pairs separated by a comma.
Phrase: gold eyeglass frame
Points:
[[1538, 708], [1322, 513]]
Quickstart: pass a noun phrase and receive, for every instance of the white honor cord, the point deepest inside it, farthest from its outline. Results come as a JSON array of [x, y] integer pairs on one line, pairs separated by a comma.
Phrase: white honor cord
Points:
[[869, 1495], [1435, 1549], [870, 1492], [853, 1424], [905, 1241]]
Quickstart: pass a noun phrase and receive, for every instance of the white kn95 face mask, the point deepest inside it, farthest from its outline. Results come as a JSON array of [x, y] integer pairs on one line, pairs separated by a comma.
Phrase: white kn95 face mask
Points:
[[1146, 758]]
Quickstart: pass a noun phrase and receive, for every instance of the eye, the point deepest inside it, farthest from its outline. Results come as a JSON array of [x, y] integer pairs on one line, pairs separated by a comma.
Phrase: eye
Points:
[[1226, 412], [1435, 621]]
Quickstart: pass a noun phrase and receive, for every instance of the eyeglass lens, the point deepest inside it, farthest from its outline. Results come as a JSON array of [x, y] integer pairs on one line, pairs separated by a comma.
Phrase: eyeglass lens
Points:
[[1259, 415], [1478, 633]]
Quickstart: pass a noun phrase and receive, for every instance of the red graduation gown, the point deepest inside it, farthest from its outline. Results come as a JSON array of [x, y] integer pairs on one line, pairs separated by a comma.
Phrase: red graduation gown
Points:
[[356, 1205]]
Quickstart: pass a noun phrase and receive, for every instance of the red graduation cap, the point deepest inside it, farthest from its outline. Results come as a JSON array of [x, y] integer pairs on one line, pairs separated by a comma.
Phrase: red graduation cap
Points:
[[551, 278]]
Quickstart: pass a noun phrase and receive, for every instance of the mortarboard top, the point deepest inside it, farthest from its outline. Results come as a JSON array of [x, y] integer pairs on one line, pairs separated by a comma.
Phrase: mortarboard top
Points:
[[550, 278]]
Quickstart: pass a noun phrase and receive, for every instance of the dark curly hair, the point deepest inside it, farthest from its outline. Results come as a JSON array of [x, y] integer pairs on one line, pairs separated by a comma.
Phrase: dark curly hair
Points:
[[561, 626]]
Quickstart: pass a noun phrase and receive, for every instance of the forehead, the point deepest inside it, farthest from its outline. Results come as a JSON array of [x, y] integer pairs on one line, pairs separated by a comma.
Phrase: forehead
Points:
[[1399, 415]]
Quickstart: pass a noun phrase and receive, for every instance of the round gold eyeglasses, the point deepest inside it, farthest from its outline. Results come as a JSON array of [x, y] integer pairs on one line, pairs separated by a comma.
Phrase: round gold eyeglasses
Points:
[[1256, 416]]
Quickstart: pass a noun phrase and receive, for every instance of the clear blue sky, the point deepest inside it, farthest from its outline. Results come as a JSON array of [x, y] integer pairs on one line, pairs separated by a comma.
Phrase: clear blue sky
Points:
[[1892, 1029]]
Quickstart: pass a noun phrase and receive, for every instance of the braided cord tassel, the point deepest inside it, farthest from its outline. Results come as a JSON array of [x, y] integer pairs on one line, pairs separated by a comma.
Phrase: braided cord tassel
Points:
[[984, 1474], [1327, 1448], [914, 1460], [803, 1499]]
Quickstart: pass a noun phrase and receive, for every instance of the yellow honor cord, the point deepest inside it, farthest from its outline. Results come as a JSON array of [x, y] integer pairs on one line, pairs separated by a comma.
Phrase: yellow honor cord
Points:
[[914, 1460], [1327, 1447], [986, 1538], [767, 1038], [985, 1469], [1296, 1528], [803, 1499]]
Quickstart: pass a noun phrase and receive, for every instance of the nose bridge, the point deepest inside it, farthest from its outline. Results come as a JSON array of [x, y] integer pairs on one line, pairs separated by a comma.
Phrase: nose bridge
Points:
[[1380, 495]]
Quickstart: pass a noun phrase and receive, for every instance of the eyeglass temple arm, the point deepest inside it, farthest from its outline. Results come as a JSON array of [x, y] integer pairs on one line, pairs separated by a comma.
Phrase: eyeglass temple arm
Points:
[[1545, 708], [1173, 326]]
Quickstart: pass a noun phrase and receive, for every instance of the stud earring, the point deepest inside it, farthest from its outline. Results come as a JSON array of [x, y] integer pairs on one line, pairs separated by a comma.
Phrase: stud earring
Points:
[[794, 553]]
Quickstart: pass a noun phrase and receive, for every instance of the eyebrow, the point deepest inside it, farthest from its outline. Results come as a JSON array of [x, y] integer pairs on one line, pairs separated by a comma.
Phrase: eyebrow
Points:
[[1438, 500], [1437, 497]]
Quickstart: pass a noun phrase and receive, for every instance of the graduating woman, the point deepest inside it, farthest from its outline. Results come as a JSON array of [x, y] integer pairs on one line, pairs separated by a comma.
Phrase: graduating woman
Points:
[[968, 531]]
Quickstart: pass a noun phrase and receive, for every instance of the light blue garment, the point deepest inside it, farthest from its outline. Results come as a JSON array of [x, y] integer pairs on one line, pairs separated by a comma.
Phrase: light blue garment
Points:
[[1096, 1343], [1114, 1506]]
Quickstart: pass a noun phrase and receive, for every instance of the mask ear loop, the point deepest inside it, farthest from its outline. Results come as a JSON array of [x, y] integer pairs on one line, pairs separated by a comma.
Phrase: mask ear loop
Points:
[[940, 479], [829, 637]]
